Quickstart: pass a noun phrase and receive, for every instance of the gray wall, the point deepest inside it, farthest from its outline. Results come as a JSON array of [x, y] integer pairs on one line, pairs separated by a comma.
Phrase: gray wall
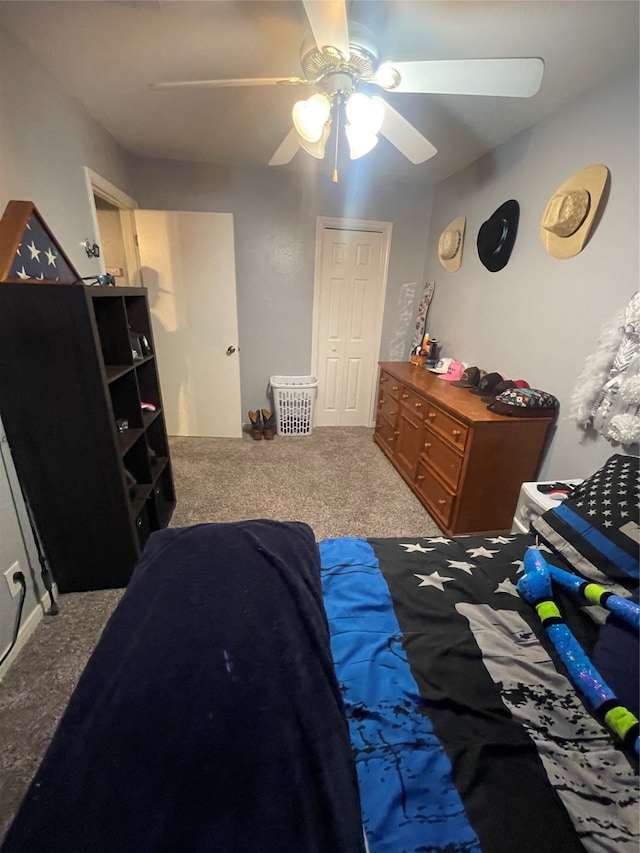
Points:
[[539, 318], [42, 162], [275, 227]]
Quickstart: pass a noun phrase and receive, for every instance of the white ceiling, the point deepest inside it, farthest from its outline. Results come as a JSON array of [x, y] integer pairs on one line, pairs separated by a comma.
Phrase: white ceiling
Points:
[[106, 53]]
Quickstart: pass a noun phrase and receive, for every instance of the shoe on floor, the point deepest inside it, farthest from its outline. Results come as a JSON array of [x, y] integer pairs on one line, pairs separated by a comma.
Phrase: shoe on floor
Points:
[[269, 424], [256, 428]]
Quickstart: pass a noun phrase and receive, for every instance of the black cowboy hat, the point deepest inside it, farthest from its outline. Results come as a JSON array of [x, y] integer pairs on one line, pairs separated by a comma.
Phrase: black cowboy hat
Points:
[[497, 236]]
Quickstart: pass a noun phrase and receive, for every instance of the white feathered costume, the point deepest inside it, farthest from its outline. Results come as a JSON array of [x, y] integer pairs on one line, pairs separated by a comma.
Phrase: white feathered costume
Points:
[[607, 394]]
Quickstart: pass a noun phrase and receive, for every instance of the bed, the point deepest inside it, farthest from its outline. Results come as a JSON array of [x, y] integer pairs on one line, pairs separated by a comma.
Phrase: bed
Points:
[[256, 692]]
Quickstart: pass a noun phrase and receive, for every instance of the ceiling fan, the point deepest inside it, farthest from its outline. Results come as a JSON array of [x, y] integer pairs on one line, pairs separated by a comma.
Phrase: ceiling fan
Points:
[[341, 64]]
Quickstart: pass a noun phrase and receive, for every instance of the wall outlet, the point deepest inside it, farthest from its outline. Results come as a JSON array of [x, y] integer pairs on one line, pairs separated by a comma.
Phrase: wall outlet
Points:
[[14, 587], [116, 272]]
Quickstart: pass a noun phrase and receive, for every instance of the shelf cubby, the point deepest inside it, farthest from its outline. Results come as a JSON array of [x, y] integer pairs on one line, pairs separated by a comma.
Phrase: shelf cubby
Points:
[[164, 496], [148, 385], [138, 315], [157, 437], [125, 401], [113, 333]]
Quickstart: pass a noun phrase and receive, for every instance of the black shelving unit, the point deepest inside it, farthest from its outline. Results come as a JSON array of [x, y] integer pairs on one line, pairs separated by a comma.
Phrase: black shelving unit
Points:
[[67, 375]]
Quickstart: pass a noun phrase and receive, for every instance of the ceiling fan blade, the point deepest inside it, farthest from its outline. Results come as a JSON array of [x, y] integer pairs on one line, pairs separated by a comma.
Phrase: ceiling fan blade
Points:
[[509, 78], [221, 84], [287, 150], [328, 19], [405, 137]]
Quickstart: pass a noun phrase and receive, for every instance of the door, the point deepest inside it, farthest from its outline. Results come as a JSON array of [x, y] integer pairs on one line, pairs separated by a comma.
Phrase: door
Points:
[[349, 304], [188, 267]]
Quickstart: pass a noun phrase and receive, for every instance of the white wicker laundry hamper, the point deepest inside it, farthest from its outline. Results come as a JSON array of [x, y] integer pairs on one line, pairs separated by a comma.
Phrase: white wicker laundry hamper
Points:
[[294, 400]]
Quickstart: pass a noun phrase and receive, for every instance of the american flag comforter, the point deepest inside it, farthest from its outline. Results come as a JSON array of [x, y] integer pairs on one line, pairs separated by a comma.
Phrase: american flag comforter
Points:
[[467, 732]]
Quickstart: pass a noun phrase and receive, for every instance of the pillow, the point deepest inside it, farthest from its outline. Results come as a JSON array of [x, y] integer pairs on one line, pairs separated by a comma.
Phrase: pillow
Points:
[[596, 528]]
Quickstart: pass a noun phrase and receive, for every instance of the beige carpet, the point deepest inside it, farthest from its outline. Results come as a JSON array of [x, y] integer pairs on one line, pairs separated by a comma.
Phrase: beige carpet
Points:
[[336, 480]]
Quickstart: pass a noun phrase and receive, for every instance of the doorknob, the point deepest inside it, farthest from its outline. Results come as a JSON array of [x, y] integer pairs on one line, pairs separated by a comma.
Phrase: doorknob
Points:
[[231, 350]]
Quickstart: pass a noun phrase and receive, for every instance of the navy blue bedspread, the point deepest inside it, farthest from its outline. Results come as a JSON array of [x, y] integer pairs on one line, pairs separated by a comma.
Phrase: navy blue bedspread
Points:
[[208, 717]]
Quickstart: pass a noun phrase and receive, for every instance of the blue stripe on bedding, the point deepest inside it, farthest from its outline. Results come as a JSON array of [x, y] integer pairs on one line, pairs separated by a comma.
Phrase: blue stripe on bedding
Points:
[[409, 802], [625, 562]]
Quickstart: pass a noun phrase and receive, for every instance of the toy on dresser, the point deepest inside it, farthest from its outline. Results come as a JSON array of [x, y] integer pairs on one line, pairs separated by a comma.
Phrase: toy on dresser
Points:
[[426, 352]]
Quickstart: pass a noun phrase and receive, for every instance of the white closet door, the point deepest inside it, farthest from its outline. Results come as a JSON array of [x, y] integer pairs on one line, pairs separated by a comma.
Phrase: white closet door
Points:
[[351, 284]]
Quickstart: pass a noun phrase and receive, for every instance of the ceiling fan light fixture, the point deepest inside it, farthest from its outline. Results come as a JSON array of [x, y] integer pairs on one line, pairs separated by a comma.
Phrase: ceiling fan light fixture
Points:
[[387, 76], [310, 117], [365, 114], [360, 142], [316, 149]]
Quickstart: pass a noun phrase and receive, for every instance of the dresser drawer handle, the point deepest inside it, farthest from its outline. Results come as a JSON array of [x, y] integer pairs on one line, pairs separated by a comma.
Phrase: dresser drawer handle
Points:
[[427, 445], [383, 378], [393, 413], [456, 432], [418, 405], [432, 415], [138, 522], [420, 476], [395, 387], [391, 439], [441, 502], [405, 396], [396, 432]]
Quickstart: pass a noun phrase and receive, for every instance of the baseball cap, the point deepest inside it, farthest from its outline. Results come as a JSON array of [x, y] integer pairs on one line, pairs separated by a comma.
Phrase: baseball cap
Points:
[[470, 377], [454, 372], [487, 384], [490, 396], [521, 383], [442, 365]]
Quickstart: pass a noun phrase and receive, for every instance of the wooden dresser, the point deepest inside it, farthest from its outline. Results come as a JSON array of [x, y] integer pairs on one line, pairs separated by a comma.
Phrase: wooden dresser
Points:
[[463, 462]]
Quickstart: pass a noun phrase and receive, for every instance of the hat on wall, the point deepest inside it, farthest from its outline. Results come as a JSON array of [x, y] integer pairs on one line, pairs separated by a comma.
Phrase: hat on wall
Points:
[[450, 244], [570, 212], [497, 236]]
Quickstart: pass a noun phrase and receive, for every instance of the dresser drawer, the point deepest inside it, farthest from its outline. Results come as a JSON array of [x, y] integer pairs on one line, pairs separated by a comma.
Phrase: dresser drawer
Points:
[[386, 434], [438, 498], [390, 386], [388, 407], [445, 426], [414, 402], [442, 458]]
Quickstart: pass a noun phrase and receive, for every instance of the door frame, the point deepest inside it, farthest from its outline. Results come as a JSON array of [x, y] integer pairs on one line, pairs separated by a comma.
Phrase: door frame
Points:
[[330, 223], [98, 186]]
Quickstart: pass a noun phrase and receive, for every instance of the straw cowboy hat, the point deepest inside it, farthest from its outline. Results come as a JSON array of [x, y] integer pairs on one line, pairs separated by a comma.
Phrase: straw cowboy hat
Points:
[[450, 244], [570, 212]]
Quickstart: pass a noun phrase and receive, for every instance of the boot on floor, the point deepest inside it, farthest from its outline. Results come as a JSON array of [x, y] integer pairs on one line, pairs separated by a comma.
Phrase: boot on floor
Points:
[[269, 424], [256, 428]]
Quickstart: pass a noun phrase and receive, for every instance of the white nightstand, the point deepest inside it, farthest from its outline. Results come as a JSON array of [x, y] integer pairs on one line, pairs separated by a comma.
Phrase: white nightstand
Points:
[[532, 503]]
